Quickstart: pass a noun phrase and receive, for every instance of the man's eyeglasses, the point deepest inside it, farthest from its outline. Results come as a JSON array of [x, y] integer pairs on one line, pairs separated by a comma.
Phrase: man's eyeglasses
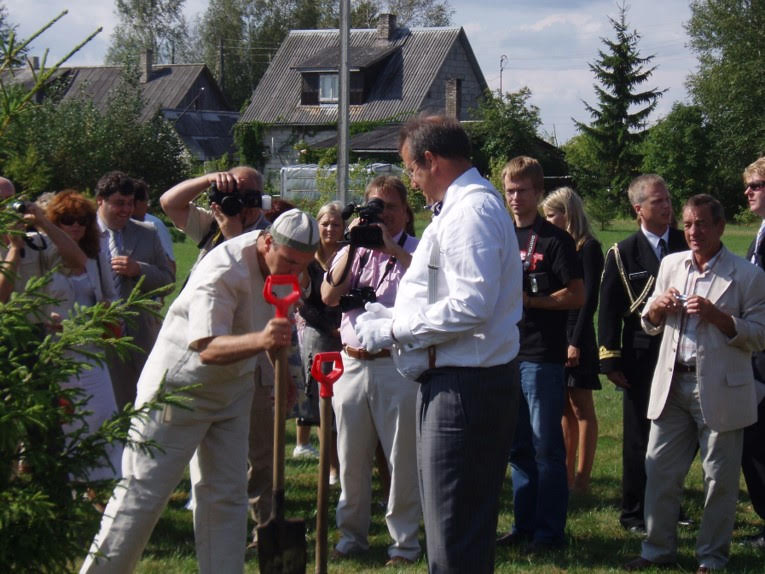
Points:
[[755, 185], [67, 219]]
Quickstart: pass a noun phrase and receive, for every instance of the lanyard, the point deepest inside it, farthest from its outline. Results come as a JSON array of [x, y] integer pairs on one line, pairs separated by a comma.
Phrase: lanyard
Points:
[[528, 258]]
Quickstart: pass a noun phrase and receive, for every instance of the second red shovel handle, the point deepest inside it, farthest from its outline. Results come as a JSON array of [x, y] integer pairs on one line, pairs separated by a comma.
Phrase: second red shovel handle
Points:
[[326, 380]]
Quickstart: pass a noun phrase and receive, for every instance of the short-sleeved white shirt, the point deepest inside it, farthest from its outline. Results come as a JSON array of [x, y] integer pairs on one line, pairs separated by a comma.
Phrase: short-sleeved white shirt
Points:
[[224, 296]]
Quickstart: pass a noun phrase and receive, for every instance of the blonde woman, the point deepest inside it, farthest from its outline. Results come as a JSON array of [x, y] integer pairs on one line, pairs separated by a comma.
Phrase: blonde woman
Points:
[[564, 208], [320, 332]]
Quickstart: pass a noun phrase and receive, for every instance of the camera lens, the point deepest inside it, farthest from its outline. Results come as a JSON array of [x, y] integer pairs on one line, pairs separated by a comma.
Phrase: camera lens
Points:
[[19, 206]]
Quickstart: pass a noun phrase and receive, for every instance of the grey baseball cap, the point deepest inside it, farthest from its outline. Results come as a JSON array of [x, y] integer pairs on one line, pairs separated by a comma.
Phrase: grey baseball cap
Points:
[[296, 229]]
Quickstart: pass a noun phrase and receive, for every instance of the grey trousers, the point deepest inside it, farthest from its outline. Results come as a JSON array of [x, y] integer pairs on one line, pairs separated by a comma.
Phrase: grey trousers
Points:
[[466, 418], [671, 448]]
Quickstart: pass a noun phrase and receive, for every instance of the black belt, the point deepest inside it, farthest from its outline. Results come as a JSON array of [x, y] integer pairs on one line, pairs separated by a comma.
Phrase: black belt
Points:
[[681, 368]]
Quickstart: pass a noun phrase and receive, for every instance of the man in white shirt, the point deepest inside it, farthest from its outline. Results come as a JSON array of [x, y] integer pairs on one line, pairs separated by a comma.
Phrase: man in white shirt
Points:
[[466, 334], [214, 330], [209, 227]]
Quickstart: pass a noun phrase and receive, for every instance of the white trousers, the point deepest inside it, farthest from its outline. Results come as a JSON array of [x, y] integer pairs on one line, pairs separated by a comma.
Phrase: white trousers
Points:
[[671, 447], [371, 401], [218, 430]]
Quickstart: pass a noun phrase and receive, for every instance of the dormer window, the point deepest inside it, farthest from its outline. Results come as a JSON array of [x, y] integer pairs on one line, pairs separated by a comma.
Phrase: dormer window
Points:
[[328, 89], [320, 80]]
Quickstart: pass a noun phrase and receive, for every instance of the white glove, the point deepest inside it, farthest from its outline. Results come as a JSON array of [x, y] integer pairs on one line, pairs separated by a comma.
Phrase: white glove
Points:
[[378, 311], [373, 328]]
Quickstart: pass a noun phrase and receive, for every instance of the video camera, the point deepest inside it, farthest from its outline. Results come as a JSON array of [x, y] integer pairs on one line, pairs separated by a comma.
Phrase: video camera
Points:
[[233, 203], [364, 234]]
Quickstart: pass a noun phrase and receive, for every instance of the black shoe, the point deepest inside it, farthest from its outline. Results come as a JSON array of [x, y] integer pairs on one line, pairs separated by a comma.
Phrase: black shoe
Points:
[[684, 519], [512, 539], [539, 547], [754, 540]]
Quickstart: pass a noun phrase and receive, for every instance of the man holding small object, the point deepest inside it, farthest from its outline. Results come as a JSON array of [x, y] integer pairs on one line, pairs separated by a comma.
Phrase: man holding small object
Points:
[[371, 400], [709, 306]]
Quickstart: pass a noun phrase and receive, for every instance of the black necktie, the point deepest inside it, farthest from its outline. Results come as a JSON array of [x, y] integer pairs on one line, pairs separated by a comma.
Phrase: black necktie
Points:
[[662, 248]]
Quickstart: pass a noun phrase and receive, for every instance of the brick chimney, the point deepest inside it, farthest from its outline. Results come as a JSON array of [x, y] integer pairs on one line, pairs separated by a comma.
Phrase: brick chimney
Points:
[[147, 58], [386, 27], [453, 99]]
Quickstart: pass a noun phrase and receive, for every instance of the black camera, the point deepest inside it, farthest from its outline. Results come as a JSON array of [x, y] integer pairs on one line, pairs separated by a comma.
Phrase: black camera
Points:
[[233, 203], [357, 298], [19, 206], [364, 234]]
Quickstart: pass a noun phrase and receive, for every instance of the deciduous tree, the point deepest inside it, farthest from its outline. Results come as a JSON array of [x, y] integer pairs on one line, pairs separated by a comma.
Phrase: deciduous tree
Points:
[[156, 25], [678, 148], [729, 86]]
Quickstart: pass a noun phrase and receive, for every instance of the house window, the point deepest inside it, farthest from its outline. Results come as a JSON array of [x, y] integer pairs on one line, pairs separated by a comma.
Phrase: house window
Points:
[[328, 89]]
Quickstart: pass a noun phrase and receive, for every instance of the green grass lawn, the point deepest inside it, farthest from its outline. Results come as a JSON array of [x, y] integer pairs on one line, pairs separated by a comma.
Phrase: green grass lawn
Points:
[[596, 542]]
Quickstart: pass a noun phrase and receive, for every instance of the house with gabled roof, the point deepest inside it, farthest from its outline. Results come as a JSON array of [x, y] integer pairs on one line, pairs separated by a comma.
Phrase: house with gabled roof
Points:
[[187, 95], [395, 73]]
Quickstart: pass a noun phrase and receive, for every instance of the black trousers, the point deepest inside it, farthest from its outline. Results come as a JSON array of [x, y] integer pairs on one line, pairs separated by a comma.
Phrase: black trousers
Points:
[[466, 418], [636, 427], [753, 461]]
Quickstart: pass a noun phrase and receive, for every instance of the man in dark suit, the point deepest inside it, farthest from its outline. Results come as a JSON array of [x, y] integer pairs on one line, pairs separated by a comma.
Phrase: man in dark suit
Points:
[[135, 251], [627, 354], [753, 458]]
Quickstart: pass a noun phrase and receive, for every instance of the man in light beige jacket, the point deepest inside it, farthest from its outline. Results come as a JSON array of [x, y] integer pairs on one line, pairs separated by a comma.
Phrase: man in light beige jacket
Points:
[[710, 306]]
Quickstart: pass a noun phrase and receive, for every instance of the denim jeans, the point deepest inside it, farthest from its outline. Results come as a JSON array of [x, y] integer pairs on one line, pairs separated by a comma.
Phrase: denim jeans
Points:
[[538, 456]]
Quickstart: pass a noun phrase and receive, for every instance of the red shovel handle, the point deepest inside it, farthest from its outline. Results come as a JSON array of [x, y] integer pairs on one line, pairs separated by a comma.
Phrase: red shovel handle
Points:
[[282, 303], [327, 379]]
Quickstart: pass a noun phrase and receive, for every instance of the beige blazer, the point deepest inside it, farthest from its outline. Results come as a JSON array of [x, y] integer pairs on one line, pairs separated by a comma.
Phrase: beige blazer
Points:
[[723, 365]]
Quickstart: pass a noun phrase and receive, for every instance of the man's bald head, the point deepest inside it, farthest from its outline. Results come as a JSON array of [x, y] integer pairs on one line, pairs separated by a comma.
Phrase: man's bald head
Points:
[[6, 188]]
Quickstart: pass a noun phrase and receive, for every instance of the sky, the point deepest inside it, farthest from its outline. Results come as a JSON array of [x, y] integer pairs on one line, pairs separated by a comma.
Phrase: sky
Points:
[[547, 43]]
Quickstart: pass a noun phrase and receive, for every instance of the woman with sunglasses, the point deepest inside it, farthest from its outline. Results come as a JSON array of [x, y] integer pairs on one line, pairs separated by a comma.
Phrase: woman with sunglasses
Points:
[[88, 286]]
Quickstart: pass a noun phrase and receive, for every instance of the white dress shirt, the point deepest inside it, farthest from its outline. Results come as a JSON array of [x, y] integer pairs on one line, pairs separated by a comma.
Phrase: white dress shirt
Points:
[[479, 302]]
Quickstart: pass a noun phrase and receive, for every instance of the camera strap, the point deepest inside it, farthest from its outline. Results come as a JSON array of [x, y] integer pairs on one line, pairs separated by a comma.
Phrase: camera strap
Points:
[[30, 242], [528, 258], [391, 261]]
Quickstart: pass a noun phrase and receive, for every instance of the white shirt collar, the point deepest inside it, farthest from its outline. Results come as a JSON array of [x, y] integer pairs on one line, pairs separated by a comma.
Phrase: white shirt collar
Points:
[[653, 239]]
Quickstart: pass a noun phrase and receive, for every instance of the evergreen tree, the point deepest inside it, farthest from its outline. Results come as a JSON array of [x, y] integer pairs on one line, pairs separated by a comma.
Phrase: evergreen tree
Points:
[[619, 118]]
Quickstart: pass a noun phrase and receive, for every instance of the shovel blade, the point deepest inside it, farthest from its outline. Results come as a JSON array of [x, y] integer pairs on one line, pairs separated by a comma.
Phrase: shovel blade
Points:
[[282, 546]]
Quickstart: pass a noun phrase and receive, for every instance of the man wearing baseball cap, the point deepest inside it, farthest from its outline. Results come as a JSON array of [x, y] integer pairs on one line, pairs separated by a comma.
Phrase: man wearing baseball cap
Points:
[[210, 338]]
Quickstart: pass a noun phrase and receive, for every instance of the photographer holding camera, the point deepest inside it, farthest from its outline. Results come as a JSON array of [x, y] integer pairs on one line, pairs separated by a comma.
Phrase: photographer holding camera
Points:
[[372, 400], [42, 247], [237, 205]]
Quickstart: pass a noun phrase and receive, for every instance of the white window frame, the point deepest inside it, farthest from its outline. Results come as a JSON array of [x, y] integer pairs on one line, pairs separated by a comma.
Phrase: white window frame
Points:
[[328, 88]]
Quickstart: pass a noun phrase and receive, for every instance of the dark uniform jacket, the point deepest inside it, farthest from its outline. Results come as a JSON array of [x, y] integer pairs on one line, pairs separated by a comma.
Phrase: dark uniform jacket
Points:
[[623, 344], [758, 359]]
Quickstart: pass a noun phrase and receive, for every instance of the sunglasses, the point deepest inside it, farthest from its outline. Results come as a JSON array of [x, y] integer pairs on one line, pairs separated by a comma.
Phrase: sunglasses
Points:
[[756, 185], [67, 219]]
